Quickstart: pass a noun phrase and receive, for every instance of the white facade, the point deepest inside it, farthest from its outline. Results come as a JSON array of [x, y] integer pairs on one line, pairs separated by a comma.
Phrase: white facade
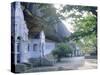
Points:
[[24, 47], [21, 35], [40, 48], [34, 50], [49, 47]]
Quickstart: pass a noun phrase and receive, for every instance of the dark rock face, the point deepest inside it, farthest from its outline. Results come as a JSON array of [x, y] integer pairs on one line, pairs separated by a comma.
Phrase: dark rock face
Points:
[[36, 21]]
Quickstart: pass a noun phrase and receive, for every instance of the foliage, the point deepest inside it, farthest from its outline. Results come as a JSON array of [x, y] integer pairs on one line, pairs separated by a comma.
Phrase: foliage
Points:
[[85, 27], [68, 8], [86, 33], [62, 50]]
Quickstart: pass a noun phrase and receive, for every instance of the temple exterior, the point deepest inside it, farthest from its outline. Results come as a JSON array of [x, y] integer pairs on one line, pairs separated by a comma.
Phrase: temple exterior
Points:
[[23, 47], [20, 35]]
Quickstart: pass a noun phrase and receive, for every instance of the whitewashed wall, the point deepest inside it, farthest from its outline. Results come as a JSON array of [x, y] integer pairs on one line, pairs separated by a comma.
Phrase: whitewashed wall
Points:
[[22, 32], [32, 53], [49, 46]]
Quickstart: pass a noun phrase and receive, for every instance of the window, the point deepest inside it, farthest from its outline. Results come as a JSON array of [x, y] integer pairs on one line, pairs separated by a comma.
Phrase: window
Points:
[[18, 47], [34, 47], [18, 44], [28, 47], [18, 58]]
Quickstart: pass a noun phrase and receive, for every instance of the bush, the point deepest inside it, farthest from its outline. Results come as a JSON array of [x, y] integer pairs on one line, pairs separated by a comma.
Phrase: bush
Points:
[[62, 50]]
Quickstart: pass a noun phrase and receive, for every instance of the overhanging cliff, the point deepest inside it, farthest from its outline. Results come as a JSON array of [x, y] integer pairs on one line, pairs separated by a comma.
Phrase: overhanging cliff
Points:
[[36, 21]]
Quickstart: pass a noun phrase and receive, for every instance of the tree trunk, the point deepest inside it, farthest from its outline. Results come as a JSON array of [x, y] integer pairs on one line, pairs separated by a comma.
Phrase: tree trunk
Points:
[[58, 59]]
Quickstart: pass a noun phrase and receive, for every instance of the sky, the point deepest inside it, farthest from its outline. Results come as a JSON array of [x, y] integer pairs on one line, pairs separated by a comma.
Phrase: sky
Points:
[[67, 21]]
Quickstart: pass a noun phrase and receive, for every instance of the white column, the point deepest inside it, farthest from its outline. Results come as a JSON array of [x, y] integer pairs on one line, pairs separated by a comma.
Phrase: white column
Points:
[[42, 41]]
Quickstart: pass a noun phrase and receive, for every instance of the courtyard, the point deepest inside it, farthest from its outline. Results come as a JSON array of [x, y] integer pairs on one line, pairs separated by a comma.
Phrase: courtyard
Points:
[[74, 63]]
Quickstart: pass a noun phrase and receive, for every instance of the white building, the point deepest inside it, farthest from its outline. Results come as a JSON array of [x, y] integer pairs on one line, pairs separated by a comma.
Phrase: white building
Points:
[[21, 35], [24, 47]]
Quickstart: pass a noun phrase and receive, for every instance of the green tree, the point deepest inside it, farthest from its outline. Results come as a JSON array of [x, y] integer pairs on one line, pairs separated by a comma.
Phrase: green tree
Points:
[[62, 50], [86, 33]]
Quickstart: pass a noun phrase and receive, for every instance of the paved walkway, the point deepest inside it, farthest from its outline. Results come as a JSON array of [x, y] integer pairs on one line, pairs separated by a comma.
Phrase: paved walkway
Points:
[[75, 63], [89, 64]]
